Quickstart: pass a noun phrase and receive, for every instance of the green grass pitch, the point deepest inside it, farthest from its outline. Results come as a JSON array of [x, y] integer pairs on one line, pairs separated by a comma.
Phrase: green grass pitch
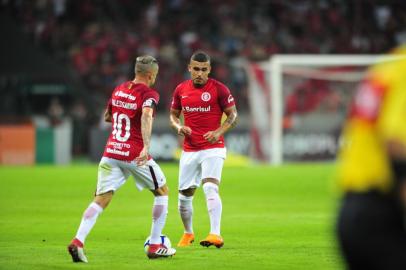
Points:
[[273, 218]]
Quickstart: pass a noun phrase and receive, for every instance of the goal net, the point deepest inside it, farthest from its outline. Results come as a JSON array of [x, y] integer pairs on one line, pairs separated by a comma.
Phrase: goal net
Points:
[[298, 104]]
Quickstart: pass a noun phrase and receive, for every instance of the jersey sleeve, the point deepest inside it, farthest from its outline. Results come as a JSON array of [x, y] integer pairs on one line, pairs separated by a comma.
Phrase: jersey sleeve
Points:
[[368, 101], [150, 100], [225, 97], [175, 104]]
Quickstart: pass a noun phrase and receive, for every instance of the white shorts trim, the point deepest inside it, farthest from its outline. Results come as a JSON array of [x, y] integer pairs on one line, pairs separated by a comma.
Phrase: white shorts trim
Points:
[[113, 173], [195, 166]]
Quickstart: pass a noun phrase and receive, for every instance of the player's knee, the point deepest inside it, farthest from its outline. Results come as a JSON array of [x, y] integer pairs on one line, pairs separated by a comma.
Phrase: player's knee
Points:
[[211, 180], [187, 192], [162, 191], [210, 189], [103, 200]]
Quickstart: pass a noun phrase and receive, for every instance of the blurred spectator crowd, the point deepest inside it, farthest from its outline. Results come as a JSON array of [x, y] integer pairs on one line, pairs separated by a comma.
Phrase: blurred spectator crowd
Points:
[[101, 38]]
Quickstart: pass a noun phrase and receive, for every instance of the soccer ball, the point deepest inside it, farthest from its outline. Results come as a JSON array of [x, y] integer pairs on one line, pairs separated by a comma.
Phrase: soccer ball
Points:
[[164, 241]]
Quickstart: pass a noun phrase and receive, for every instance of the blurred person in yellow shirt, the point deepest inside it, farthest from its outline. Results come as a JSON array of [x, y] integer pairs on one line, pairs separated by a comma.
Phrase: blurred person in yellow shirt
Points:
[[372, 170]]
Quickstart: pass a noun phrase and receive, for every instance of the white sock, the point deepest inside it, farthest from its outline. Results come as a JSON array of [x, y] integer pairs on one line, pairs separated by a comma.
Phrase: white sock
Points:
[[159, 213], [185, 207], [88, 220], [214, 206]]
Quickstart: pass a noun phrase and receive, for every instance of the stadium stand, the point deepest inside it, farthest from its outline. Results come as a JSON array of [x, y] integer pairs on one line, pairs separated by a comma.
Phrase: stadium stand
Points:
[[98, 39]]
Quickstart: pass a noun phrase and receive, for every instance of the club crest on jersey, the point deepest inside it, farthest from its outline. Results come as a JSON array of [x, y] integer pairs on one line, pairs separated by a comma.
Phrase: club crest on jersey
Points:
[[230, 99], [206, 96]]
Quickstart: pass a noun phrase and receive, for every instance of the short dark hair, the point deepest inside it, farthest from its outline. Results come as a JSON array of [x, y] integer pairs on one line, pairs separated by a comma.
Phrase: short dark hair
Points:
[[145, 63], [200, 56]]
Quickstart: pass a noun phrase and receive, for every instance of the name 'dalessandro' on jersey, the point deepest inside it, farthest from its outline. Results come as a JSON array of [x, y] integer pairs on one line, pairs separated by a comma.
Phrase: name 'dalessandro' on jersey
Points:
[[125, 105]]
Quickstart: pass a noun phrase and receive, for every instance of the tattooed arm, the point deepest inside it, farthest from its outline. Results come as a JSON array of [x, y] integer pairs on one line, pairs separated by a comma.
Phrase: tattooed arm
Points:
[[229, 123], [146, 130]]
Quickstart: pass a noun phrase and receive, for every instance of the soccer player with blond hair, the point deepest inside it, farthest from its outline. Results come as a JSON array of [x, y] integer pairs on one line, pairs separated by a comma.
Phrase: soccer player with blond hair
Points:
[[130, 110]]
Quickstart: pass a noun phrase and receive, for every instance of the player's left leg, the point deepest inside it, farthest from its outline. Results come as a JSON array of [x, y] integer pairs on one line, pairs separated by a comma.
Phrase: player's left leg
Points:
[[151, 176], [211, 174], [189, 178], [159, 214]]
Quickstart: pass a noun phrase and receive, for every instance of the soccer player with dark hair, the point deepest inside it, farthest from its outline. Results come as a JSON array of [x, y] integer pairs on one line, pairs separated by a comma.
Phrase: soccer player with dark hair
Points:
[[372, 171], [130, 110], [202, 101]]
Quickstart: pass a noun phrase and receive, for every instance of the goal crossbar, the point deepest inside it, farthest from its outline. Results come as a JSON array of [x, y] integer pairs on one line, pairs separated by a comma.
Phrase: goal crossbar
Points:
[[276, 65]]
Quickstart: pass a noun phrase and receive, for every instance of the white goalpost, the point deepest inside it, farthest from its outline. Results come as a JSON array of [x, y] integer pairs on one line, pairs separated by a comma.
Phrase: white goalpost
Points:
[[313, 67]]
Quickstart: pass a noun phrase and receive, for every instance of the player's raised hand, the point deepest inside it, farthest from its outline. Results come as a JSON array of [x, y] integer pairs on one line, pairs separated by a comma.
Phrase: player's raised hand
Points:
[[142, 159], [184, 130], [212, 136]]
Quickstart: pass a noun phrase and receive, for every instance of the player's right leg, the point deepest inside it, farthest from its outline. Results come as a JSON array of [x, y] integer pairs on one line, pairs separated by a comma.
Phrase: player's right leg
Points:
[[185, 207], [189, 177], [75, 248], [110, 178]]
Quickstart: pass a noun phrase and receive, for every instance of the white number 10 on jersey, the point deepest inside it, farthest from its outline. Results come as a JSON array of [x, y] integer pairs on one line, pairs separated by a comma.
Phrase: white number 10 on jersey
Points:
[[118, 127]]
